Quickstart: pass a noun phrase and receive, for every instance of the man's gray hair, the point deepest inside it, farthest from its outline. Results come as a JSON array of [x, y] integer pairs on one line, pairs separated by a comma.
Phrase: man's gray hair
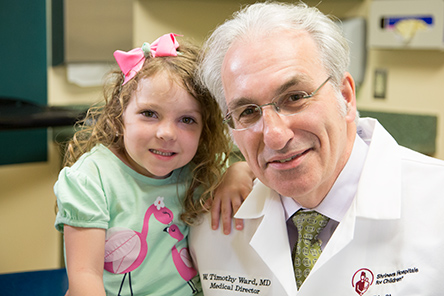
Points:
[[270, 17]]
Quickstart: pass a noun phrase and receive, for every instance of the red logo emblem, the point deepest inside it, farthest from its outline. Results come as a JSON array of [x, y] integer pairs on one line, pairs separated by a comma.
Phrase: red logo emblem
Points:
[[362, 280]]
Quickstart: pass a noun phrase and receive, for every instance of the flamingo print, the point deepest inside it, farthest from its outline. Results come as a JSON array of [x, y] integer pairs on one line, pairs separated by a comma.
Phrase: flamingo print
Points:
[[125, 249], [182, 258]]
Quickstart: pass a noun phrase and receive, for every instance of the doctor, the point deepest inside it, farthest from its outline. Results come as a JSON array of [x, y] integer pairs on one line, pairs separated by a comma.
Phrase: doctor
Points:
[[280, 72]]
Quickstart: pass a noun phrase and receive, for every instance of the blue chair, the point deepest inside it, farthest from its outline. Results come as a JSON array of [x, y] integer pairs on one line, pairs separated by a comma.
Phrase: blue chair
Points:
[[36, 283]]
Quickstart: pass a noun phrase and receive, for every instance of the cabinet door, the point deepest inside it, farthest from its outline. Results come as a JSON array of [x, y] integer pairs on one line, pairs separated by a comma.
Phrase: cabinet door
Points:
[[23, 75]]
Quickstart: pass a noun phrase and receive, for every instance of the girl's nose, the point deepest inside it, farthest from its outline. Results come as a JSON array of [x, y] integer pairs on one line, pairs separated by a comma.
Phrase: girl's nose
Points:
[[166, 131]]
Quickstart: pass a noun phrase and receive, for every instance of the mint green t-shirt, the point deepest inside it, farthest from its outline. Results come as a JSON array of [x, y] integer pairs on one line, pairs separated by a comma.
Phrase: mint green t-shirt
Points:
[[146, 249]]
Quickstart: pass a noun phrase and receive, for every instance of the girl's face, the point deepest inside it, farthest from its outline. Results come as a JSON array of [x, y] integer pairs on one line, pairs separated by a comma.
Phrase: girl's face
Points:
[[162, 127]]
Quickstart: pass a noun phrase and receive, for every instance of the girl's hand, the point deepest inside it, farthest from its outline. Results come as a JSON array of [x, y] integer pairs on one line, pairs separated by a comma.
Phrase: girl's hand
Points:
[[236, 184]]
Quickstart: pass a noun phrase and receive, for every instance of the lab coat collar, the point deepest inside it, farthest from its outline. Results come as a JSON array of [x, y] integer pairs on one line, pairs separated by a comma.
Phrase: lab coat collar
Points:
[[265, 204], [379, 189]]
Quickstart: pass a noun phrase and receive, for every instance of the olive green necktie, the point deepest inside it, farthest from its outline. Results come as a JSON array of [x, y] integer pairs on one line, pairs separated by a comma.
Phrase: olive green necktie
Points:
[[308, 247]]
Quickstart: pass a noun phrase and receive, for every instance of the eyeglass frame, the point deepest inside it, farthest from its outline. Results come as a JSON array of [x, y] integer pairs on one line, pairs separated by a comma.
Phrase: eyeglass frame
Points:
[[228, 117]]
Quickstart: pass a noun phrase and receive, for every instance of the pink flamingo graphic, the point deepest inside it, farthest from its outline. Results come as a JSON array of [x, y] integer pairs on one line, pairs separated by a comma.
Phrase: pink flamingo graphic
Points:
[[125, 249], [182, 259]]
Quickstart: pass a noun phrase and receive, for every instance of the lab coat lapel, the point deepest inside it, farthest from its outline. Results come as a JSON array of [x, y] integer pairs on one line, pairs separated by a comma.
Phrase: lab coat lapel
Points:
[[342, 236], [270, 241]]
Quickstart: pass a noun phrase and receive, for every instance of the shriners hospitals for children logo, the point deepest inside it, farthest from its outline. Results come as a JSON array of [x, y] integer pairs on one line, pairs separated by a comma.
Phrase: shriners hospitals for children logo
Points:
[[362, 280]]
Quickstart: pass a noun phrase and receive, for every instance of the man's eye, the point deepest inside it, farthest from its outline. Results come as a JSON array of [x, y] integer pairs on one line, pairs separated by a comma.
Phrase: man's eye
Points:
[[295, 96], [248, 111]]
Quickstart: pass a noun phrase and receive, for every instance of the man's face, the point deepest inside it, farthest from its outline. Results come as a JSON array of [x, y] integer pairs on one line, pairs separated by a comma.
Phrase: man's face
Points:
[[299, 155]]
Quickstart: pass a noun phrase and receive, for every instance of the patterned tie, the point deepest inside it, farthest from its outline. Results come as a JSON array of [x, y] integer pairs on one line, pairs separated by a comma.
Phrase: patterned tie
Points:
[[308, 248]]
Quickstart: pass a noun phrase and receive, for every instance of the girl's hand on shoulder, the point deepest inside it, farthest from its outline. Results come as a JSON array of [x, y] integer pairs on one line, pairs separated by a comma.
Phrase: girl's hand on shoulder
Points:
[[236, 184]]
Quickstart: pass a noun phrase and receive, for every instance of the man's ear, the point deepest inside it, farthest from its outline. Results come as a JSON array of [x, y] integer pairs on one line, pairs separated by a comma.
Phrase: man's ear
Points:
[[349, 95]]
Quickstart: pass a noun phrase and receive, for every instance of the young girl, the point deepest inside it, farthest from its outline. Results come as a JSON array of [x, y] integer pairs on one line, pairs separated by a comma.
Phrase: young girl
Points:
[[141, 166]]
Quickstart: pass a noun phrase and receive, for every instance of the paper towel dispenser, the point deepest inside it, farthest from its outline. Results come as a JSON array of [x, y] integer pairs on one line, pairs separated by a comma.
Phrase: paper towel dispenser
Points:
[[93, 31], [407, 24]]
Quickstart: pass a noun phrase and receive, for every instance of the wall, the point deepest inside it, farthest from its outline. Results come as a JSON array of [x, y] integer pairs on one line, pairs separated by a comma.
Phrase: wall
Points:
[[29, 239], [27, 201], [421, 71]]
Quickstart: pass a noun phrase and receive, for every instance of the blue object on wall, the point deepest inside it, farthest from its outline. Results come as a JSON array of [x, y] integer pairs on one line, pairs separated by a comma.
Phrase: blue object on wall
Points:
[[23, 75]]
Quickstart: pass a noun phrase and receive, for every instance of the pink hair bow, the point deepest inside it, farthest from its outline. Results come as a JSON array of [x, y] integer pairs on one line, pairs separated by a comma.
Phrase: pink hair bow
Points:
[[132, 61]]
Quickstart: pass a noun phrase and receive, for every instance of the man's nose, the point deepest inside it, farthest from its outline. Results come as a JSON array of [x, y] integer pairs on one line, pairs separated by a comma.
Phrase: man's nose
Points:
[[276, 133]]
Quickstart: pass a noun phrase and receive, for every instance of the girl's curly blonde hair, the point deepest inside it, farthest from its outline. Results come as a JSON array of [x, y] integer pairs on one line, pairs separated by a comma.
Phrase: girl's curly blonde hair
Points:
[[103, 124]]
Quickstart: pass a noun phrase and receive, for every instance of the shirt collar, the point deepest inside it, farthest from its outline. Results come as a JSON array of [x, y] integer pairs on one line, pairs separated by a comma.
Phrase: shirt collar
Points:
[[341, 195]]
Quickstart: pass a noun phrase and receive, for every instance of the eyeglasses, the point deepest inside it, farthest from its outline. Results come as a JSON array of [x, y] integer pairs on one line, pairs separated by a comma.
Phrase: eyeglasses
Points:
[[290, 103]]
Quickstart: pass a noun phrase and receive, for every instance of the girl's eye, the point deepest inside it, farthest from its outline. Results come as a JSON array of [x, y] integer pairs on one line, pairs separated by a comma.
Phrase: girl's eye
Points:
[[149, 113], [188, 120]]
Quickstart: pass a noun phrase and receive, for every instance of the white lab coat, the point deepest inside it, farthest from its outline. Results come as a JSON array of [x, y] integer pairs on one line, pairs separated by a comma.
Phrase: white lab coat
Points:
[[393, 232]]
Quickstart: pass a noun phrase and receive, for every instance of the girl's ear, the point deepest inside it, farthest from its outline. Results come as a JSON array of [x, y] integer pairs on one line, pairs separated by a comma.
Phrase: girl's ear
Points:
[[349, 95]]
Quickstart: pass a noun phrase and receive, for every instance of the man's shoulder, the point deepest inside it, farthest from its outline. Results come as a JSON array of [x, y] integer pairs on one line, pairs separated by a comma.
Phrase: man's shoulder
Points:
[[422, 168], [409, 155]]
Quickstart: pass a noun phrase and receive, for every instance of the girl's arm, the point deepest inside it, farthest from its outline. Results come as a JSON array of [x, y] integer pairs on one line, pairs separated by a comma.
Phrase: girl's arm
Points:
[[236, 184], [85, 253]]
